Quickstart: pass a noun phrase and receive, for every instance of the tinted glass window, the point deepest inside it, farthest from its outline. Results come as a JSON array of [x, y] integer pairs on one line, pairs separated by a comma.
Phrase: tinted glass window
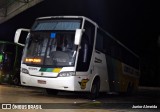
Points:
[[56, 25], [86, 47]]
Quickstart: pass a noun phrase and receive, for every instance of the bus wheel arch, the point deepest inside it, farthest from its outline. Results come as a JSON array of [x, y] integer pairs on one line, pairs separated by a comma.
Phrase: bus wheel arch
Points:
[[95, 88], [130, 88]]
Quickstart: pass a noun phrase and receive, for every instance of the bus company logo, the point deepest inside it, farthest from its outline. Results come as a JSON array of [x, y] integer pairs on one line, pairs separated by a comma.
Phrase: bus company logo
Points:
[[32, 68], [83, 83], [42, 74], [6, 106]]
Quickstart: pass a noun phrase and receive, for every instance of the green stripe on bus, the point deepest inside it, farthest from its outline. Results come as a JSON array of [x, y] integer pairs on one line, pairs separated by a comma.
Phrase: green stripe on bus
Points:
[[43, 69], [55, 70], [49, 69]]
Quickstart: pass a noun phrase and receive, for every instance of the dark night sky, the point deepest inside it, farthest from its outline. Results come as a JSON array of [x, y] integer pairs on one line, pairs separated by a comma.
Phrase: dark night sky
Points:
[[134, 22]]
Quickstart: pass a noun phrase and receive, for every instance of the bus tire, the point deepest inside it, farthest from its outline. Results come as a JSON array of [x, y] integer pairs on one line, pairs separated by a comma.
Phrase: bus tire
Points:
[[16, 81], [95, 89], [129, 89], [51, 91]]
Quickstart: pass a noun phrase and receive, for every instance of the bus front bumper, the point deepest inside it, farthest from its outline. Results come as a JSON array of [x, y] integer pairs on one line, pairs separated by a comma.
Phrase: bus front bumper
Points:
[[70, 83]]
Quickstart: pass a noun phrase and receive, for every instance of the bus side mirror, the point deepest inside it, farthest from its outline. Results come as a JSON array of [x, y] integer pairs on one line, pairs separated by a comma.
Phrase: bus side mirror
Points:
[[18, 36], [78, 36]]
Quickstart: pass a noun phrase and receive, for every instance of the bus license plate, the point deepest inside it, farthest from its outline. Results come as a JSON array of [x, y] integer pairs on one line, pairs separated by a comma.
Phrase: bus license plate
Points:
[[41, 81]]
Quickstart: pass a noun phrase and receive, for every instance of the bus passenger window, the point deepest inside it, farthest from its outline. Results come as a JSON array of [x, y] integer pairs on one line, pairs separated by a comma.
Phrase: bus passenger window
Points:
[[85, 52], [84, 49]]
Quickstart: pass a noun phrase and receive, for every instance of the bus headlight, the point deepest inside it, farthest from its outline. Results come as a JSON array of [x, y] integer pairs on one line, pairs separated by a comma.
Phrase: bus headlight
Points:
[[25, 71], [66, 74]]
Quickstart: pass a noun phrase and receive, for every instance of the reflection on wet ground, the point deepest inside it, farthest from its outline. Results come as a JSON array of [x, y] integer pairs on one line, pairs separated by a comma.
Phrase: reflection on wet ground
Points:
[[71, 102]]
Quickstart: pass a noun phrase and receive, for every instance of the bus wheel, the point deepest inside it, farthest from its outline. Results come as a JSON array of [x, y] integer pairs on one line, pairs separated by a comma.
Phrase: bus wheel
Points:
[[130, 89], [95, 89], [16, 81], [51, 91]]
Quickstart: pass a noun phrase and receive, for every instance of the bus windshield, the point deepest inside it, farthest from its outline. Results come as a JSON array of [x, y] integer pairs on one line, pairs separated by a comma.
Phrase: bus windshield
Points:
[[51, 43], [52, 48]]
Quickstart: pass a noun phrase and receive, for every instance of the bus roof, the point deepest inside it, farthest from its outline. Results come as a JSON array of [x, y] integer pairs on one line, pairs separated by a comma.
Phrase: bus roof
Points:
[[76, 17]]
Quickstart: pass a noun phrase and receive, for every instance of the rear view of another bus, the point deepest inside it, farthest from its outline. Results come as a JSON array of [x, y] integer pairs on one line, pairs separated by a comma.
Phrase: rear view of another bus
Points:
[[9, 63]]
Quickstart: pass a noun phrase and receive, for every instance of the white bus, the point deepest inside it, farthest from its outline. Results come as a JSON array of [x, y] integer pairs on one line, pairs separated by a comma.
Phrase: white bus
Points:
[[73, 53]]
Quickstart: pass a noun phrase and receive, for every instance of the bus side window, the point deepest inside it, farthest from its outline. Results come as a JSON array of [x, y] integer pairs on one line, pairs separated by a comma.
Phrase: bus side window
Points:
[[99, 42], [85, 46], [85, 52]]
